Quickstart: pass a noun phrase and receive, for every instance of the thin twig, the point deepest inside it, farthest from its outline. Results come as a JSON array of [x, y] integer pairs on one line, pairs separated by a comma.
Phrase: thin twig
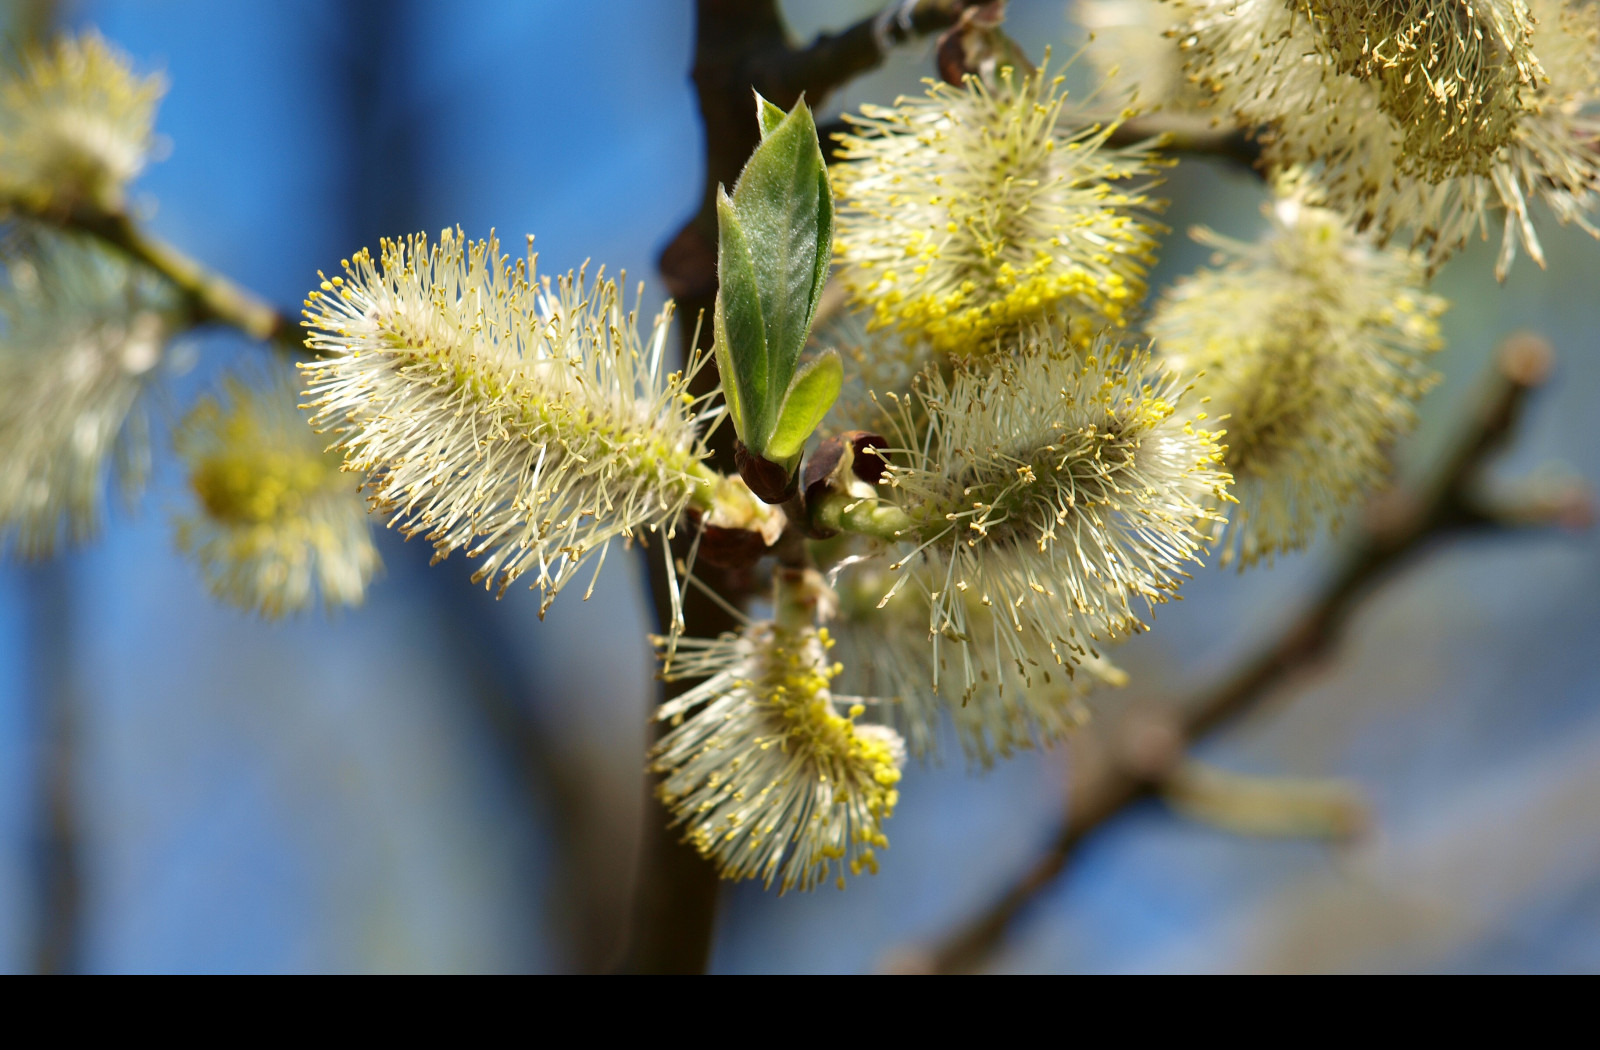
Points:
[[210, 297], [1195, 135], [1448, 504]]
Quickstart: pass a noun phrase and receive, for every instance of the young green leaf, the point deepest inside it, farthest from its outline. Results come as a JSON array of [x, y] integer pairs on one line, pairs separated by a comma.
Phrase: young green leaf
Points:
[[768, 116], [740, 329], [785, 211], [775, 245], [810, 395]]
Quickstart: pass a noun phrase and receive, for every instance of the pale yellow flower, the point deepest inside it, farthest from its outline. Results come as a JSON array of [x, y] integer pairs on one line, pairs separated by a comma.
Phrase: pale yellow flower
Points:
[[1063, 493], [276, 521], [76, 125], [82, 333], [1311, 348], [1455, 76], [886, 657], [1270, 66], [771, 781], [973, 211], [1135, 54], [526, 423]]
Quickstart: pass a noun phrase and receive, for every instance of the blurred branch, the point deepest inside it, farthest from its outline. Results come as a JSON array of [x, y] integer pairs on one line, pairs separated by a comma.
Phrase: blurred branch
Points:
[[58, 900], [1281, 807], [832, 60], [210, 297], [1193, 134], [556, 778], [1150, 748], [47, 625]]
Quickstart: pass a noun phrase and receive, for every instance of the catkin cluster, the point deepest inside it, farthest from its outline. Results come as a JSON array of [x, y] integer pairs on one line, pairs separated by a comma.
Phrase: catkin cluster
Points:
[[1024, 461], [275, 521], [1426, 119]]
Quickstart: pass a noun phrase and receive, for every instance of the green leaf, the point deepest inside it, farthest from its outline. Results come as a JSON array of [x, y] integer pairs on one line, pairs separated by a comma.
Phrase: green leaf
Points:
[[813, 392], [726, 372], [767, 115], [785, 212], [773, 253], [741, 330]]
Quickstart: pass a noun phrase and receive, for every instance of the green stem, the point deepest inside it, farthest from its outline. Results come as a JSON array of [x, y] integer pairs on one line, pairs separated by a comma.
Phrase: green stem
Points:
[[793, 604], [842, 512], [703, 497]]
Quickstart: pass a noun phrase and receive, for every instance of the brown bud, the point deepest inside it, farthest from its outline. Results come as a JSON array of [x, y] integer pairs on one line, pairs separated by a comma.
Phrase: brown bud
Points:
[[1527, 358], [727, 548], [771, 482], [868, 466], [950, 56], [977, 46], [821, 465], [830, 460], [836, 455]]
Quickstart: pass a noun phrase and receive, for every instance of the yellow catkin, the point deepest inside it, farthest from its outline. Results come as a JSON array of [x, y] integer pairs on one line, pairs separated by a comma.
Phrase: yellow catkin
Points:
[[770, 781], [76, 125], [972, 211], [276, 522], [1381, 150], [524, 421], [1311, 346], [1063, 494]]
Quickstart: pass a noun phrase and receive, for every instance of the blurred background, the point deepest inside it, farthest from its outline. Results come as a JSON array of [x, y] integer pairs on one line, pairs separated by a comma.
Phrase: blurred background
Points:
[[439, 782]]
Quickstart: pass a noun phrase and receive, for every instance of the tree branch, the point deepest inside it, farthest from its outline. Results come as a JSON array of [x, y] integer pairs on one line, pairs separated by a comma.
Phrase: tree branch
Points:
[[1152, 746], [58, 851], [830, 61], [210, 297], [1196, 135]]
